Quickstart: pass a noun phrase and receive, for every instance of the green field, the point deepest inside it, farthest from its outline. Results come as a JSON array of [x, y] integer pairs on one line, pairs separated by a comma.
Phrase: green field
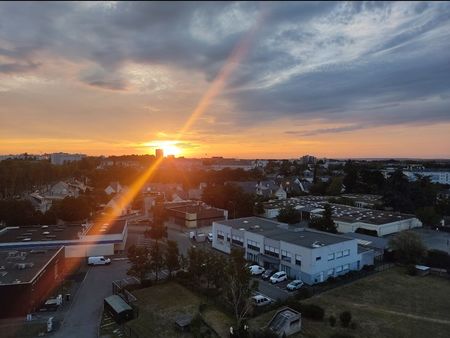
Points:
[[387, 304], [159, 305]]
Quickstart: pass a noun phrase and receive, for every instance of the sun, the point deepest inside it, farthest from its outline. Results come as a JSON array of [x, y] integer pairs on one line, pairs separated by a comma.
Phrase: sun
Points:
[[170, 148]]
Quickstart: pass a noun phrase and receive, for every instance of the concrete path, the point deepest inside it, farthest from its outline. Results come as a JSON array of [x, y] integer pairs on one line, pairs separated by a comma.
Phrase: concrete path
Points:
[[83, 317]]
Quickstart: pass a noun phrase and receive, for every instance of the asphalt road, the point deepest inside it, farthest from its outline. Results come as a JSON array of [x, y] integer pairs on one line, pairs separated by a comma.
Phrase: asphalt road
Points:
[[433, 239], [275, 291], [83, 317]]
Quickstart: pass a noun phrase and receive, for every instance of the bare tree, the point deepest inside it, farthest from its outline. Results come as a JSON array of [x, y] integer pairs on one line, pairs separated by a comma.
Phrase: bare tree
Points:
[[239, 286]]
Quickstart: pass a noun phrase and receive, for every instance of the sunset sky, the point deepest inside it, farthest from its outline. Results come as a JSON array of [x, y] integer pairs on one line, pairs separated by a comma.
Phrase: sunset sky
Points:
[[246, 80]]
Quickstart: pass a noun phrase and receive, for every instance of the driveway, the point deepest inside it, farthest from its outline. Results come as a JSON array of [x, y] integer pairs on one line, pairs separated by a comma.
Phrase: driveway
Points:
[[275, 291], [433, 239], [83, 317]]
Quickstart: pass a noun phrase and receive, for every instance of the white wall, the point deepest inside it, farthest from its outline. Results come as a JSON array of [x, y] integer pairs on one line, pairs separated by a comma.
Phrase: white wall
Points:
[[381, 229], [89, 250]]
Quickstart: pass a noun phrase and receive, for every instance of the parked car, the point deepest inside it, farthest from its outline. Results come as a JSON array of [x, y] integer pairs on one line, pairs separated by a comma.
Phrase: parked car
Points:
[[98, 260], [294, 285], [210, 237], [267, 274], [256, 269], [278, 277], [197, 236], [260, 300]]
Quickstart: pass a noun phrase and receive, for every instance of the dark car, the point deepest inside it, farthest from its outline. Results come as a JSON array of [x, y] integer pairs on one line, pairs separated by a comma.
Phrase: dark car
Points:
[[267, 274]]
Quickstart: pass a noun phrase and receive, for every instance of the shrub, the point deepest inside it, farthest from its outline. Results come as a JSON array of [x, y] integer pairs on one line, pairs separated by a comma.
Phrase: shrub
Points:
[[411, 270], [266, 333], [332, 320], [312, 311], [345, 318], [341, 335], [304, 293], [202, 307], [368, 267]]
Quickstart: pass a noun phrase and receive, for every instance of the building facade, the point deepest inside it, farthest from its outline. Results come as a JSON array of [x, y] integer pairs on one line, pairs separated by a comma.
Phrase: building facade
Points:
[[27, 279], [305, 254], [61, 158]]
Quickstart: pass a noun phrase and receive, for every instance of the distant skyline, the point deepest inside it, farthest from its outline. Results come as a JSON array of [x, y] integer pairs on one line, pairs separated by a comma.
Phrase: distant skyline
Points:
[[244, 80]]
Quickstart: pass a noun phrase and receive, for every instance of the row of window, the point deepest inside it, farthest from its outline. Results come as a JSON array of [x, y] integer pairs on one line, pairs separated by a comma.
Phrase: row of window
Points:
[[339, 254], [275, 252], [339, 269], [237, 240], [253, 245]]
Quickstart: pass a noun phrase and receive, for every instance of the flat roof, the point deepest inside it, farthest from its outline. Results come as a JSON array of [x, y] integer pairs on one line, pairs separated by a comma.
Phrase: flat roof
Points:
[[40, 233], [352, 214], [341, 212], [118, 304], [111, 228], [201, 211], [22, 266], [280, 231]]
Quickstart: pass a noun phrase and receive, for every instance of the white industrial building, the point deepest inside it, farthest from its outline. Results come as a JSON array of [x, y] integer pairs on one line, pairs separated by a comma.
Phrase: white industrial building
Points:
[[309, 255], [347, 218], [61, 158], [79, 240]]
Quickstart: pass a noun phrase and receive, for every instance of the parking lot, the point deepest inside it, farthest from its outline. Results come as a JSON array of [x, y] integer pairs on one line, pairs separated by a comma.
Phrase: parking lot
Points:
[[275, 291]]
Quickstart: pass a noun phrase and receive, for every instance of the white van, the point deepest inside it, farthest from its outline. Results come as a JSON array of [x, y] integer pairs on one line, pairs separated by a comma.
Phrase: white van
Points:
[[98, 260]]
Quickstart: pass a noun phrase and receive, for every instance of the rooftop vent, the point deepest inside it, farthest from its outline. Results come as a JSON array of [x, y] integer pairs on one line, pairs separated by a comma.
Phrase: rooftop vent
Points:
[[317, 244]]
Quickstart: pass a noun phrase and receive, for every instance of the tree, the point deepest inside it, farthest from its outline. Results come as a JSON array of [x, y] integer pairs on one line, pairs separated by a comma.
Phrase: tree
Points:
[[238, 286], [196, 264], [324, 223], [157, 232], [172, 257], [156, 259], [140, 262], [345, 318], [289, 215], [213, 269], [72, 208], [335, 186], [428, 216], [259, 208], [408, 247], [351, 177]]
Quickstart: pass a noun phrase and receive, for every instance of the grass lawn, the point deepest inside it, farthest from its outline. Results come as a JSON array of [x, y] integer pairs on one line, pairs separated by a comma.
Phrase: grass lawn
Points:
[[159, 305], [218, 320], [387, 304]]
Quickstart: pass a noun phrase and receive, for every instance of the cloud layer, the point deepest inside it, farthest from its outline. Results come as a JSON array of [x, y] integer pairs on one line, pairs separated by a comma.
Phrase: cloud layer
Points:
[[355, 65]]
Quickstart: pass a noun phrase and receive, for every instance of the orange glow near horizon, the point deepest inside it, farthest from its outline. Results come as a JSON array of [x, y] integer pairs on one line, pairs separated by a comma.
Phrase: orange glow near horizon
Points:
[[168, 147], [171, 147]]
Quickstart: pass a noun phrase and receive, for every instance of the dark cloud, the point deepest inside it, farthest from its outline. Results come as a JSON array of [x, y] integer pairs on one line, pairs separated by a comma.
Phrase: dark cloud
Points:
[[16, 67], [358, 64], [326, 130]]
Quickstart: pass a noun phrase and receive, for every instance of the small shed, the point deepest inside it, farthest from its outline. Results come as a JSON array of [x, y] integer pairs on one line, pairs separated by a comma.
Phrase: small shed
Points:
[[183, 322], [286, 322], [422, 270], [119, 310]]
